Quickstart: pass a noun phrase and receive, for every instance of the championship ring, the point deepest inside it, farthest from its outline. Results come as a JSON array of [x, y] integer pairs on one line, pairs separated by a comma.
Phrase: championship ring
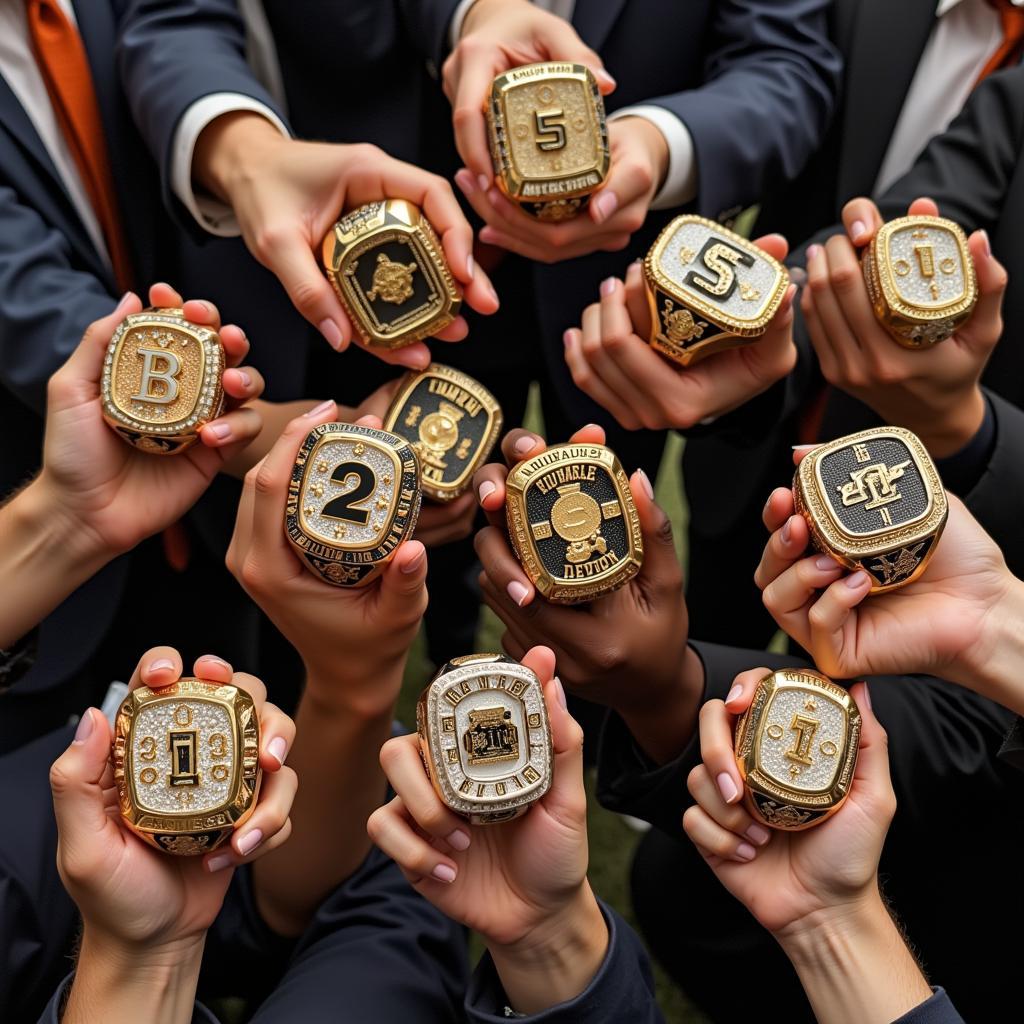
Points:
[[452, 422], [920, 279], [873, 501], [485, 738], [708, 289], [796, 747], [388, 268], [353, 498], [548, 137], [572, 522], [162, 380], [186, 764]]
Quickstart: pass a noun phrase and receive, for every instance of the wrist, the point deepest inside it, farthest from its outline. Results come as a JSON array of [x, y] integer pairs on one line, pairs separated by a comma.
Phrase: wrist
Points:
[[654, 145], [944, 427], [354, 692], [231, 149], [991, 666], [558, 958]]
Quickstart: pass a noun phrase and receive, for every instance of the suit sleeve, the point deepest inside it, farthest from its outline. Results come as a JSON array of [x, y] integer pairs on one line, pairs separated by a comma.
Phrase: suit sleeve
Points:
[[622, 990], [171, 54], [45, 303], [429, 23], [937, 1010], [769, 91]]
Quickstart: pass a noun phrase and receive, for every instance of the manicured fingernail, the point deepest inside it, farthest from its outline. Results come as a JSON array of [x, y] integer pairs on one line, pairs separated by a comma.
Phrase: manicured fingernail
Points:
[[608, 285], [485, 490], [221, 431], [560, 693], [812, 251], [745, 851], [645, 480], [277, 748], [758, 834], [410, 567], [825, 563], [444, 873], [85, 727], [483, 181], [246, 378], [524, 444], [602, 76], [567, 338], [249, 842], [322, 409], [494, 197], [867, 695], [734, 694], [857, 580], [470, 268], [160, 664], [804, 447], [215, 660], [518, 592], [458, 840], [332, 332], [605, 204], [125, 299], [986, 242], [727, 787], [218, 863], [465, 181], [858, 229], [787, 531]]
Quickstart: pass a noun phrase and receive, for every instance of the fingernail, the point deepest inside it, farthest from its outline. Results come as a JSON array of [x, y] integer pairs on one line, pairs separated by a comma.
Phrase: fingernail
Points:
[[483, 181], [825, 563], [812, 251], [332, 332], [986, 242], [787, 299], [867, 695], [410, 567], [249, 842], [787, 531], [758, 834], [124, 300], [560, 694], [321, 409], [218, 863], [277, 748], [605, 204], [160, 664], [215, 660], [858, 229], [727, 787], [567, 338], [470, 267], [518, 592], [602, 76], [646, 482], [465, 181], [857, 580], [494, 294], [524, 444], [85, 727], [734, 694], [745, 851], [246, 378], [458, 840], [803, 447], [485, 490], [443, 873], [608, 286], [494, 197], [221, 431]]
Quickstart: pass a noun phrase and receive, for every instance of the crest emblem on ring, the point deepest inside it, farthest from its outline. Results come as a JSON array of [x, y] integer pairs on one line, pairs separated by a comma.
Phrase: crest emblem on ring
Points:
[[392, 281]]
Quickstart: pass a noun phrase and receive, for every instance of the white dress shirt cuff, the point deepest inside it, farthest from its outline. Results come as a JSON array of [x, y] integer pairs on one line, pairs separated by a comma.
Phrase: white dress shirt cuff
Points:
[[211, 214], [680, 185], [459, 16]]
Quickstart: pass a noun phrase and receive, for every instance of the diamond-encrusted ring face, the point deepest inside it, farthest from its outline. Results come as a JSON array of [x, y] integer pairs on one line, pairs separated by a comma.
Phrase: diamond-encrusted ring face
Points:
[[709, 289], [451, 420], [920, 279], [161, 380], [548, 137], [873, 501], [572, 522], [485, 737], [388, 268], [353, 498], [186, 763], [796, 747]]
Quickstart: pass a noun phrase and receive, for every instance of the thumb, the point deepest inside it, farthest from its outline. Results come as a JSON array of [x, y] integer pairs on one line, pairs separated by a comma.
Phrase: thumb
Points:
[[404, 578], [923, 207], [986, 323], [872, 774], [661, 566], [77, 782], [861, 220], [775, 245], [566, 800]]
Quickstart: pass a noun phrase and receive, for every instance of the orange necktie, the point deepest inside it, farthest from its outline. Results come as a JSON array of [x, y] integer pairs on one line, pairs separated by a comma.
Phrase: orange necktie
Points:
[[64, 66], [1008, 51]]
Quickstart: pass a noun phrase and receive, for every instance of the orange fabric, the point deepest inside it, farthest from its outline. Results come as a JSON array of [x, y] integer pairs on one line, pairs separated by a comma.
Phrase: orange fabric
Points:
[[1009, 50], [64, 66]]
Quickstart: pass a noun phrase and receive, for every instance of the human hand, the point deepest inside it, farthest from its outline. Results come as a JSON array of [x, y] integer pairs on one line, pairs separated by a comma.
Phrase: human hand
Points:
[[610, 359], [288, 194], [112, 494], [935, 392], [521, 884], [351, 640]]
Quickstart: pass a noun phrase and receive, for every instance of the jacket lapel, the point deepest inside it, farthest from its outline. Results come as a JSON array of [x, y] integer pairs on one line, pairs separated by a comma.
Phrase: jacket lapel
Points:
[[594, 19]]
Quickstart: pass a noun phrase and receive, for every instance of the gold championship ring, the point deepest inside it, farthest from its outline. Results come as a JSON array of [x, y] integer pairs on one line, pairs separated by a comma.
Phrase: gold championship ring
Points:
[[186, 764], [162, 380], [572, 522], [873, 501], [485, 738], [796, 747], [388, 267], [708, 289], [452, 422], [920, 279], [548, 137], [353, 498]]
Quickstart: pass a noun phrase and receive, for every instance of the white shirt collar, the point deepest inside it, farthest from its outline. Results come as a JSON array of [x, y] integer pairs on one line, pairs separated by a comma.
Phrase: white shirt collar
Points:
[[945, 6]]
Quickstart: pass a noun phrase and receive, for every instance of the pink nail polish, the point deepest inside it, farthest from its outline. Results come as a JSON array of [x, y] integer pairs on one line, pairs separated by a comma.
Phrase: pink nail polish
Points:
[[727, 787], [812, 251], [332, 332], [160, 665], [734, 694], [745, 852], [277, 748], [221, 431], [567, 338], [857, 580], [470, 267], [518, 592], [458, 840], [825, 563], [249, 842], [858, 229], [524, 445], [322, 409], [483, 181], [218, 863], [645, 481], [486, 490], [986, 242], [758, 834], [245, 377], [560, 694], [444, 873], [85, 727]]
